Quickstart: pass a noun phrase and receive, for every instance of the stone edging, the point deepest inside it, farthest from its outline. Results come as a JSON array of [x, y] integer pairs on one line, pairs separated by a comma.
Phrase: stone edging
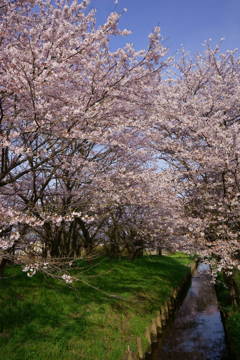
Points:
[[158, 324]]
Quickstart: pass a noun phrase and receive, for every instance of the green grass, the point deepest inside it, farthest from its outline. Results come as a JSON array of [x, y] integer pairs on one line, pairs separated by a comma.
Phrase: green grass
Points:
[[232, 312], [43, 319], [233, 322]]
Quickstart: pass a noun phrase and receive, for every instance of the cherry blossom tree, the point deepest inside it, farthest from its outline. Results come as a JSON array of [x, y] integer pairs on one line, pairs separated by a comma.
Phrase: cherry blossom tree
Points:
[[196, 131], [71, 110]]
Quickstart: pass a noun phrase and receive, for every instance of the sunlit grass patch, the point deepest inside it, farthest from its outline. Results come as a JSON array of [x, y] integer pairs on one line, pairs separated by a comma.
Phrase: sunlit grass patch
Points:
[[44, 319]]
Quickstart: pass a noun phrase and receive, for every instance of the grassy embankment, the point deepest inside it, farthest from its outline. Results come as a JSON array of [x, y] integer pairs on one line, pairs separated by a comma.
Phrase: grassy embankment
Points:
[[43, 319], [231, 313]]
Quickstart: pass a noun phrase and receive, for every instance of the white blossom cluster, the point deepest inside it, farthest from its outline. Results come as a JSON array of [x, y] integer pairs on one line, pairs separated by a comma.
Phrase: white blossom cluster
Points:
[[67, 278]]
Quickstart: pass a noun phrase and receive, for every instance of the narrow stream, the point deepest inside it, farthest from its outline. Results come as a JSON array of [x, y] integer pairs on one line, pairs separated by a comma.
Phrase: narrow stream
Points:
[[197, 332]]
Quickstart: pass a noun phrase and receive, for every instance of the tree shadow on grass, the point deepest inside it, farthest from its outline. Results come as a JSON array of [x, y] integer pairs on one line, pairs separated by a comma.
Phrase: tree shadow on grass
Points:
[[152, 275]]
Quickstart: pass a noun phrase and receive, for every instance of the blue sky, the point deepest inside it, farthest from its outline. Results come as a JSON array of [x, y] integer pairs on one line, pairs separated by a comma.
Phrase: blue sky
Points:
[[182, 22]]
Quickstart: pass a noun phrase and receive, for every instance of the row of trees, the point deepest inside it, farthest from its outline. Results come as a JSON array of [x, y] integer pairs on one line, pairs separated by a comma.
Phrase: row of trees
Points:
[[82, 130], [197, 133], [74, 170]]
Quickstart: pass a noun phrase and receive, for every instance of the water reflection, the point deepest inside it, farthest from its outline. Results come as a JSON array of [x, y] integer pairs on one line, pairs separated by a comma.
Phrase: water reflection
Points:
[[197, 332]]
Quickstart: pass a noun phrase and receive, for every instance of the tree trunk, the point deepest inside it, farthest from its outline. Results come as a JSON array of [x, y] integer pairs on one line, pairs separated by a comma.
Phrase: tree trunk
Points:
[[3, 264]]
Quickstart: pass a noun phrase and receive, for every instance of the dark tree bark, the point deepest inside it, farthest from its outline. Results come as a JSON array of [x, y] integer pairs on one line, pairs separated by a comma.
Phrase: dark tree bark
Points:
[[3, 265]]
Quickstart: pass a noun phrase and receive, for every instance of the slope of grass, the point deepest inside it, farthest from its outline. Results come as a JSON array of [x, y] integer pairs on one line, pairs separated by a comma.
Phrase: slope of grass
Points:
[[43, 319], [232, 313]]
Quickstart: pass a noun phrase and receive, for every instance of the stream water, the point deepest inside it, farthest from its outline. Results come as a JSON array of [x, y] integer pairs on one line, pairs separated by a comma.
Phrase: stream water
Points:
[[197, 331]]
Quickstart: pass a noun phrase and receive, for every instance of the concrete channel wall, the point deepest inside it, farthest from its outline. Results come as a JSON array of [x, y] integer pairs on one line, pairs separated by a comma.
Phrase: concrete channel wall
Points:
[[155, 329]]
